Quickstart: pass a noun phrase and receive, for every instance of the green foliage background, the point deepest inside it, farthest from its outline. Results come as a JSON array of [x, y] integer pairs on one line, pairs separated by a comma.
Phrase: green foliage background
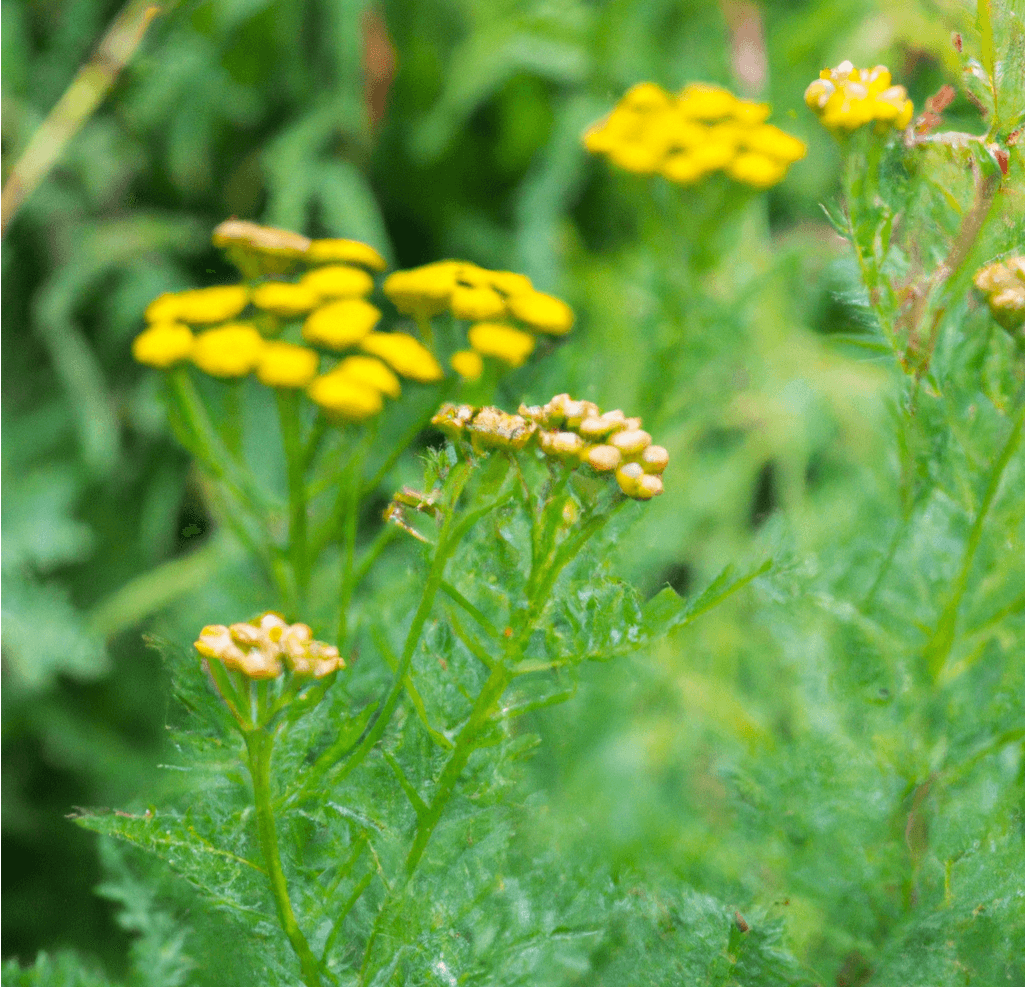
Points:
[[835, 752]]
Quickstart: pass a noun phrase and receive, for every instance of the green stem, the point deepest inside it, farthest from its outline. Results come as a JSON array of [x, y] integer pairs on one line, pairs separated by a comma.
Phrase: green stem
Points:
[[939, 646], [466, 744], [259, 744], [295, 461], [448, 540], [351, 490]]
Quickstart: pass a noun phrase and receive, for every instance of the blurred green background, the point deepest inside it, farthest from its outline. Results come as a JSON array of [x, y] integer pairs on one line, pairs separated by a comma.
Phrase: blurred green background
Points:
[[452, 129]]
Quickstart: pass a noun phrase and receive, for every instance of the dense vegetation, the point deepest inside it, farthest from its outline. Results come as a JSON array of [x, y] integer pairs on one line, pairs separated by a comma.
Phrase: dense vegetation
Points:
[[800, 759]]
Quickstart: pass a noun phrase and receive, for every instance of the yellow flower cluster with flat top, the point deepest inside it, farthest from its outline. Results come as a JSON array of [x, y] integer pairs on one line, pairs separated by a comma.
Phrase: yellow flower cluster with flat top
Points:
[[504, 308], [314, 295], [685, 137], [574, 432], [223, 330], [1004, 285], [846, 98], [268, 647]]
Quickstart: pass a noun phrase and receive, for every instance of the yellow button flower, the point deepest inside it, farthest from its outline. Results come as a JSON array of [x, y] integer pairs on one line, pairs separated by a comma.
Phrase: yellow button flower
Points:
[[542, 312], [423, 291], [199, 305], [846, 98], [774, 143], [338, 281], [476, 303], [342, 324], [756, 170], [287, 365], [345, 252], [267, 240], [232, 350], [404, 354], [344, 397], [370, 371], [285, 299], [163, 344], [510, 282], [467, 364], [491, 339]]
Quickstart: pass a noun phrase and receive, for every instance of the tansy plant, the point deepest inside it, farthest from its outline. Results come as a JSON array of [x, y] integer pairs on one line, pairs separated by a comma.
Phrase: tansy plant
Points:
[[509, 602], [303, 327]]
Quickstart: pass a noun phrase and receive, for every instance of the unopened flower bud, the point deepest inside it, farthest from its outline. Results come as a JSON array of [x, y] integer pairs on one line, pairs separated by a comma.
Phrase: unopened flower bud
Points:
[[565, 445], [631, 441], [603, 458], [654, 459], [628, 476]]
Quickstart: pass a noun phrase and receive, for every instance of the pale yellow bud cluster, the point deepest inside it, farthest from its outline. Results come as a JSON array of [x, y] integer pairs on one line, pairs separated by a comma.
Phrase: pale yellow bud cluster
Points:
[[504, 308], [846, 98], [574, 432], [1004, 285], [688, 136], [267, 647]]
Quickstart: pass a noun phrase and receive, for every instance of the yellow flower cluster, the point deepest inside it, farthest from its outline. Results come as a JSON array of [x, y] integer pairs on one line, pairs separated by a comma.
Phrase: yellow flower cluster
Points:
[[490, 300], [1004, 285], [329, 298], [688, 136], [575, 432], [846, 98], [267, 647]]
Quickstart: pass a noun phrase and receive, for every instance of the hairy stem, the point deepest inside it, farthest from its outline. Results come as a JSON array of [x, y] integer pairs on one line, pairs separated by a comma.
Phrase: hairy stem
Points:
[[259, 744]]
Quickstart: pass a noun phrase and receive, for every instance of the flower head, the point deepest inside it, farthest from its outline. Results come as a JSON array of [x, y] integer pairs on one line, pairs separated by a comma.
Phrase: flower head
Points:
[[846, 98], [286, 365], [345, 252], [259, 250], [405, 355], [341, 324], [285, 298], [199, 305], [163, 344], [573, 432], [231, 350], [511, 346], [702, 130], [468, 364], [267, 647], [1004, 285], [345, 397], [338, 281]]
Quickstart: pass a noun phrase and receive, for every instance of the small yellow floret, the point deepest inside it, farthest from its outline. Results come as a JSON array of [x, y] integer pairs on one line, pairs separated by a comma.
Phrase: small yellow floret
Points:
[[340, 324], [285, 299], [542, 312], [345, 252], [371, 372], [467, 364], [163, 344], [491, 339], [199, 305], [287, 365], [404, 354], [344, 397], [231, 350], [338, 281], [476, 303]]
